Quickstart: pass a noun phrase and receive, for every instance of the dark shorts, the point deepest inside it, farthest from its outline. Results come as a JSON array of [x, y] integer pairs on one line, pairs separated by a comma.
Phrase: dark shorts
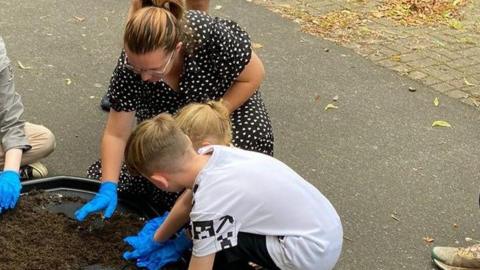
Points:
[[249, 248]]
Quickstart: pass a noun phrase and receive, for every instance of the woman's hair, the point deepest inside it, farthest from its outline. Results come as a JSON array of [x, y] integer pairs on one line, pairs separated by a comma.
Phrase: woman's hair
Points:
[[154, 24], [156, 144], [201, 121]]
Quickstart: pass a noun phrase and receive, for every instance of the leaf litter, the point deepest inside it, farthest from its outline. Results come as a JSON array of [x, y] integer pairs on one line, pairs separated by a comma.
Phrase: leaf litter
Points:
[[355, 21]]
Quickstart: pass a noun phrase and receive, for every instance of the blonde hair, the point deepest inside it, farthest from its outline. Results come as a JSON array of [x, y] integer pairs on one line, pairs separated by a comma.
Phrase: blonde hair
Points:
[[156, 144], [200, 121], [154, 24]]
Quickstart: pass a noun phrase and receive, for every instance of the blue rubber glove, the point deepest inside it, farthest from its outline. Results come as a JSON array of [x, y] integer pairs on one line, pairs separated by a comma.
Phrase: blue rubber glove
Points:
[[9, 189], [153, 224], [171, 251], [106, 199], [143, 243]]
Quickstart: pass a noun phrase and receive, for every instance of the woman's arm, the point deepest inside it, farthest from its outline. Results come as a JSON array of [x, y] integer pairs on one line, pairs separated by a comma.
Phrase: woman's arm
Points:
[[119, 126], [245, 85], [178, 216]]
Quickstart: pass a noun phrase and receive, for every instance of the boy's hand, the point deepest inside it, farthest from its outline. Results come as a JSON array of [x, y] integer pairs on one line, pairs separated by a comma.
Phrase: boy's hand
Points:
[[9, 189], [170, 251], [106, 199], [143, 246], [143, 243]]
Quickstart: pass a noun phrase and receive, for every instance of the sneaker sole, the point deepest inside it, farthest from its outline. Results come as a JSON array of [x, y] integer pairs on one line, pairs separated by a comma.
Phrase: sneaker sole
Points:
[[444, 266]]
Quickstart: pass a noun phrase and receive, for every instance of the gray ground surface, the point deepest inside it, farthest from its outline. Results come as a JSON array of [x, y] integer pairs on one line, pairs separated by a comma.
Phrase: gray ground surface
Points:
[[374, 156]]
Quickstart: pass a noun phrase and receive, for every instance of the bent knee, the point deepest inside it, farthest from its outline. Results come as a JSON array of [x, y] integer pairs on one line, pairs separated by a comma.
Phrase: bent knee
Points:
[[41, 139]]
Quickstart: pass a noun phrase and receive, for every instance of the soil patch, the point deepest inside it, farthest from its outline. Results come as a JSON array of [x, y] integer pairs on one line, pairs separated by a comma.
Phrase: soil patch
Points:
[[32, 237]]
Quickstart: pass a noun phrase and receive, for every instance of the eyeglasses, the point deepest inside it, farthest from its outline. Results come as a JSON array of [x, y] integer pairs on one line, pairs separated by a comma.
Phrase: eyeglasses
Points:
[[150, 72]]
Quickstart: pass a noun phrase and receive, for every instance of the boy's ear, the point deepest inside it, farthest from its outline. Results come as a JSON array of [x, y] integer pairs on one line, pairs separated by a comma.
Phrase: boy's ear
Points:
[[205, 143], [159, 180]]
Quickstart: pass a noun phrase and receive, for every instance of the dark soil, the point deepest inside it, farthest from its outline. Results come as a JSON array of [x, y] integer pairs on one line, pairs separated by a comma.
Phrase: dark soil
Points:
[[32, 237]]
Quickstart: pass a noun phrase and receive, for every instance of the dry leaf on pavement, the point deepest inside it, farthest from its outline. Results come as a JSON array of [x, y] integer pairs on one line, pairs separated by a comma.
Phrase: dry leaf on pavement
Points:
[[436, 102], [79, 19], [68, 81], [330, 106], [441, 123], [467, 82], [257, 45], [428, 239], [22, 66], [217, 7]]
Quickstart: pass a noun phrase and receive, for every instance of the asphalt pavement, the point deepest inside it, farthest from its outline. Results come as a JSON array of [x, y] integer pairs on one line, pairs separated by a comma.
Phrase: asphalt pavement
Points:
[[393, 178]]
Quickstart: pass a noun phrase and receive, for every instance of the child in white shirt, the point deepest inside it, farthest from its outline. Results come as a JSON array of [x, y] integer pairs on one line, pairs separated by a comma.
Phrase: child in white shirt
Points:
[[246, 206]]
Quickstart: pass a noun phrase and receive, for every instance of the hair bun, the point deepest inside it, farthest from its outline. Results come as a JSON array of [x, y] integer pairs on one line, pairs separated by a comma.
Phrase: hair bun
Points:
[[176, 7]]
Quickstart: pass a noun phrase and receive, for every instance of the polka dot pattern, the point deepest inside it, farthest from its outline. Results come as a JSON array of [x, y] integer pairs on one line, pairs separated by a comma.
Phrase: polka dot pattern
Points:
[[221, 52]]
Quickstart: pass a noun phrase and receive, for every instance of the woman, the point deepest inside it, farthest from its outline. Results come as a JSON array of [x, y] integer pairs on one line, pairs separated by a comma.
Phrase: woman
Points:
[[171, 59]]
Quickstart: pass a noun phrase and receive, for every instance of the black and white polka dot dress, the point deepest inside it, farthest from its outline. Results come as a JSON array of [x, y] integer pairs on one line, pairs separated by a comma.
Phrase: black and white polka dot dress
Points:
[[222, 50]]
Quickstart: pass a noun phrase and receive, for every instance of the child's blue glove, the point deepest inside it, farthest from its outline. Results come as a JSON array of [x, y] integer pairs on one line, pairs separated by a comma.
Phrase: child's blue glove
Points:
[[153, 224], [142, 246], [9, 189], [171, 251], [106, 198], [143, 242]]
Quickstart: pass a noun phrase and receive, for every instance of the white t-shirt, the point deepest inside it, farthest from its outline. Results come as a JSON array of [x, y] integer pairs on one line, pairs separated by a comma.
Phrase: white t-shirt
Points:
[[243, 191]]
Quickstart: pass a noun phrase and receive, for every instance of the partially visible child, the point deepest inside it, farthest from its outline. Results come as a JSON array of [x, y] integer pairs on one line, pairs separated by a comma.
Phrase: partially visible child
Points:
[[205, 123], [22, 144], [246, 206]]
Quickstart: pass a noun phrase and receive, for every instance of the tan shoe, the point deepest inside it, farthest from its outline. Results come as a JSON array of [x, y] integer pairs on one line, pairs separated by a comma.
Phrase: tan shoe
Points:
[[468, 258], [33, 171], [449, 267]]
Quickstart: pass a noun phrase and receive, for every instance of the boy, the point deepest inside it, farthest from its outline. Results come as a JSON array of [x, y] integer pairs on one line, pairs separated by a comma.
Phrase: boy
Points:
[[246, 206], [22, 144]]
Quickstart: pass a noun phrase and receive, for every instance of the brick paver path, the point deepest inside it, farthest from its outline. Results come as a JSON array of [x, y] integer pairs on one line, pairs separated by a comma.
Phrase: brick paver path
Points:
[[440, 56]]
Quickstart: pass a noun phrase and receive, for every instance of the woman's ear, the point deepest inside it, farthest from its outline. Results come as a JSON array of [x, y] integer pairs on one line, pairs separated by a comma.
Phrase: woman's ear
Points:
[[179, 46], [159, 180]]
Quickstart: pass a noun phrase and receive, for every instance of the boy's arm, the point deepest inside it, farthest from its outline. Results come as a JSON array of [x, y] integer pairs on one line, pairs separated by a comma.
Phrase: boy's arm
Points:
[[12, 133], [13, 158], [202, 263], [178, 216]]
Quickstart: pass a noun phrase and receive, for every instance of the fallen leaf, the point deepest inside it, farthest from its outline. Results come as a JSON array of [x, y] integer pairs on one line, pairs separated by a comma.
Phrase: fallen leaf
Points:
[[330, 106], [80, 19], [335, 98], [467, 82], [412, 89], [23, 66], [455, 225], [436, 102], [468, 239], [396, 57], [467, 40], [92, 97], [347, 238], [394, 217], [428, 239], [456, 24], [217, 7], [441, 123], [257, 45], [68, 81]]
